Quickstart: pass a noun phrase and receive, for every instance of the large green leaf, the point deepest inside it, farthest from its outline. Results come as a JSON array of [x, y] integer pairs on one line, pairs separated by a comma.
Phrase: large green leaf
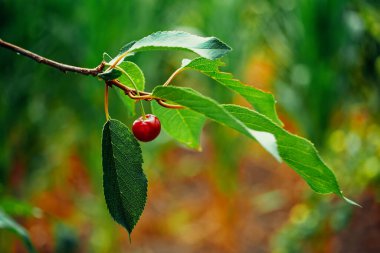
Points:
[[299, 153], [183, 125], [262, 101], [124, 182], [208, 47], [210, 108], [8, 223]]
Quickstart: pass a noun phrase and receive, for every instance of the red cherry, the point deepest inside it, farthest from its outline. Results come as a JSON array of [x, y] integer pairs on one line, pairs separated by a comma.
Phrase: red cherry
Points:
[[146, 129]]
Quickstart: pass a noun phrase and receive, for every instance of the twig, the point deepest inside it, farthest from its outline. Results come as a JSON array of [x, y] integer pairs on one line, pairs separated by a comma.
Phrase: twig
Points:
[[143, 95], [132, 93], [162, 103], [63, 67]]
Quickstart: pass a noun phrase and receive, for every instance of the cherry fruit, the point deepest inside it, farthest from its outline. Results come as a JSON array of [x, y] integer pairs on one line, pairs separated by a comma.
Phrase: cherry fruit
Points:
[[146, 129]]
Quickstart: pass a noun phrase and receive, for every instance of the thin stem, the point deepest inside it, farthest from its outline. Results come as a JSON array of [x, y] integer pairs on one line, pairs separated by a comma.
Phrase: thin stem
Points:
[[106, 103], [120, 86], [162, 103], [63, 67], [118, 60], [144, 95], [172, 76]]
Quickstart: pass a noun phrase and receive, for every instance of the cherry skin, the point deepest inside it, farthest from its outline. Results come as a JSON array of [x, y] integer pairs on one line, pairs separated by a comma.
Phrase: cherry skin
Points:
[[146, 129]]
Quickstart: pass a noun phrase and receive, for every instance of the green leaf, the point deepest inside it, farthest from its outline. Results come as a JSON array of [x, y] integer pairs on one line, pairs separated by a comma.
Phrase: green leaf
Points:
[[262, 101], [128, 103], [299, 153], [8, 223], [106, 57], [110, 74], [197, 102], [134, 72], [208, 47], [183, 125], [126, 47], [124, 182]]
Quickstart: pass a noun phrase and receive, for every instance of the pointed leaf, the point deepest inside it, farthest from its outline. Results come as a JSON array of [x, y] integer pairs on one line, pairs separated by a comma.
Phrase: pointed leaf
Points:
[[126, 47], [124, 182], [197, 102], [208, 47], [8, 223], [106, 57], [183, 125], [299, 153], [262, 101]]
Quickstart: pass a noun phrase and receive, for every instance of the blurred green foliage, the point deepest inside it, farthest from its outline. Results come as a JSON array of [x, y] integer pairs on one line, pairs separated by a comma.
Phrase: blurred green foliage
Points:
[[320, 58]]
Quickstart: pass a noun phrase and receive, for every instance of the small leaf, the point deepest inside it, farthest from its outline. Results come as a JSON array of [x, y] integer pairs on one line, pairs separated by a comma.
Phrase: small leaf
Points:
[[110, 74], [134, 72], [8, 223], [208, 47], [262, 101], [183, 125], [197, 102], [124, 182]]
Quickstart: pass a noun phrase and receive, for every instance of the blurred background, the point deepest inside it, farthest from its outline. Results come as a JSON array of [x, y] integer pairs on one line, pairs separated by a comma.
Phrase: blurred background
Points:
[[321, 59]]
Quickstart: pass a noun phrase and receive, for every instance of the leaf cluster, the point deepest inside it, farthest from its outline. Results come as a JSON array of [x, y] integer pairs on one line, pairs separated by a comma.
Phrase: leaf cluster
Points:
[[125, 185]]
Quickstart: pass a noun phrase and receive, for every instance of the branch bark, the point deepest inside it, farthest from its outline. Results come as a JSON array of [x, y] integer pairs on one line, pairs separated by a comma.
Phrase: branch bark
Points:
[[63, 67], [134, 94]]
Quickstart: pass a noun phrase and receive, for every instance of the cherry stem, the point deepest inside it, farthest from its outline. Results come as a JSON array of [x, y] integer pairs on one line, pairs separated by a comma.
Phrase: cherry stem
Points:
[[144, 95], [172, 76], [118, 60], [106, 103]]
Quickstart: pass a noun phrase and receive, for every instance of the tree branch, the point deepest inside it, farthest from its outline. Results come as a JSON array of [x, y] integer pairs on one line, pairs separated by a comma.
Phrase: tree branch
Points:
[[63, 67], [132, 93]]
